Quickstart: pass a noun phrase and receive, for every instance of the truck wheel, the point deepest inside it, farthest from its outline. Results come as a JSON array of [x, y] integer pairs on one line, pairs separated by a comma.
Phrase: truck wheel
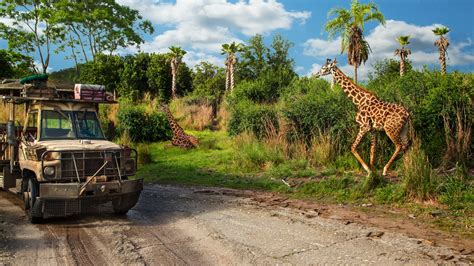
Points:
[[125, 203], [30, 199]]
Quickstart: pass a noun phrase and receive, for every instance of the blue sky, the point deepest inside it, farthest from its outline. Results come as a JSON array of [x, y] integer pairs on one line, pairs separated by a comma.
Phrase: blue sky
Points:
[[201, 26]]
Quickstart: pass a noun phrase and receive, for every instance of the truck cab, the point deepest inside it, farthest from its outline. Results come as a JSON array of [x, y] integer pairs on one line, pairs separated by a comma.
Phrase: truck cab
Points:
[[60, 161]]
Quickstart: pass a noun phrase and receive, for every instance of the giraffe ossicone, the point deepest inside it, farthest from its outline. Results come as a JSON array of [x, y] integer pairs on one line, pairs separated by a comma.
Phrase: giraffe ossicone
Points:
[[372, 115]]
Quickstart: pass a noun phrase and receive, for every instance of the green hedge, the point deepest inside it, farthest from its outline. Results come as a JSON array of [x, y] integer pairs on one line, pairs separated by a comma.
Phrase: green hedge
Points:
[[251, 117], [143, 127]]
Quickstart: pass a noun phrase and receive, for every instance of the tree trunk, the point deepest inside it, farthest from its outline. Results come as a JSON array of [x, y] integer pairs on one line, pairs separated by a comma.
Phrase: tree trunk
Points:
[[231, 77], [355, 73], [402, 66], [442, 60], [227, 79], [174, 71]]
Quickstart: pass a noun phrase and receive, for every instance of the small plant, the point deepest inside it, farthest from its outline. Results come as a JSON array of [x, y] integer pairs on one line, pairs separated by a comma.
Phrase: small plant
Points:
[[321, 150], [417, 173], [125, 139], [144, 154]]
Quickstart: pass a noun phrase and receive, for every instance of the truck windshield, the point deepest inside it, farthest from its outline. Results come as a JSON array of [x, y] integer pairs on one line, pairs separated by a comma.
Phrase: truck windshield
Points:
[[70, 125]]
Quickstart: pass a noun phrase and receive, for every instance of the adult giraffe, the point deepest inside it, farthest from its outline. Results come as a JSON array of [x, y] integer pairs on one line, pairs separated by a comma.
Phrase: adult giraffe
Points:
[[373, 114]]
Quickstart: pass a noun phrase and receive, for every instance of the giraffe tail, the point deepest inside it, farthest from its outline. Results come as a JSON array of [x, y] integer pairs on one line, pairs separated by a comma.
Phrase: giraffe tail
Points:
[[408, 134]]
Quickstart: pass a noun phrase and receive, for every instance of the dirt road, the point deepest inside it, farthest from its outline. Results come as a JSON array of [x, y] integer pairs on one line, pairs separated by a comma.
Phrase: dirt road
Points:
[[173, 225]]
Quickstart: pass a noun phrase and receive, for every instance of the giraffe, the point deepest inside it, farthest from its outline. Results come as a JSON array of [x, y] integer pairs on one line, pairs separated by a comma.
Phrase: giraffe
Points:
[[372, 115], [180, 138]]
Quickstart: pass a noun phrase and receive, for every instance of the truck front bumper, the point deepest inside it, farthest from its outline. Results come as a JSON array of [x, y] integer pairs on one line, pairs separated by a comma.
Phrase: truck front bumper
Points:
[[64, 199]]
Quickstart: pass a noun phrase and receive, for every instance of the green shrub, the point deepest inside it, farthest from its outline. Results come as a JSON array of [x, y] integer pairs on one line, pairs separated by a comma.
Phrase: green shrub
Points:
[[253, 118], [440, 107], [457, 192], [142, 126], [310, 106]]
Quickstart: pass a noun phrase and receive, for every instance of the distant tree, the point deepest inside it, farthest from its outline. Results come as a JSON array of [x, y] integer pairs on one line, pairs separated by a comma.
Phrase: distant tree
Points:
[[253, 58], [15, 65], [105, 70], [349, 23], [208, 81], [208, 84], [280, 64], [133, 78], [175, 56], [159, 76], [97, 27], [34, 30], [403, 52], [231, 51], [442, 43]]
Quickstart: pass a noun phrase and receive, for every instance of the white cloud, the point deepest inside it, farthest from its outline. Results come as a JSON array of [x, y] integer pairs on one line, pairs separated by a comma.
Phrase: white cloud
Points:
[[202, 26], [383, 43]]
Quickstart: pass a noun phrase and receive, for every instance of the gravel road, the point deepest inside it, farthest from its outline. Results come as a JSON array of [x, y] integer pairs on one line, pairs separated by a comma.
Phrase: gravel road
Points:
[[181, 226]]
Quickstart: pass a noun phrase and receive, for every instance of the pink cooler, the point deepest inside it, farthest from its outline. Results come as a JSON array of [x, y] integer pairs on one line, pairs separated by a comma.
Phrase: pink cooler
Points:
[[89, 92]]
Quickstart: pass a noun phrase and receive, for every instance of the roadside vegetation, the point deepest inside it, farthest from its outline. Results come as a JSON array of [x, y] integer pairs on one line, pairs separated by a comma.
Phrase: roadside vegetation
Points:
[[261, 126]]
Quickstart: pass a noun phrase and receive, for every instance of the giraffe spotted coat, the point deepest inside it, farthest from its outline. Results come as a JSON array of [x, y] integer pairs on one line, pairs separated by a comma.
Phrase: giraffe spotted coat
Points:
[[372, 115], [180, 138]]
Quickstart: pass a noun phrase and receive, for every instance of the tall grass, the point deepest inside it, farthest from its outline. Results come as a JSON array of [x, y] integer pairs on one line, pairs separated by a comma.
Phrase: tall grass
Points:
[[418, 177], [192, 116], [5, 113], [279, 147]]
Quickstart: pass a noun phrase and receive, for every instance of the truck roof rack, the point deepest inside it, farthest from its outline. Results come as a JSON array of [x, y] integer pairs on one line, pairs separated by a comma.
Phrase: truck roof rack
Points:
[[11, 90]]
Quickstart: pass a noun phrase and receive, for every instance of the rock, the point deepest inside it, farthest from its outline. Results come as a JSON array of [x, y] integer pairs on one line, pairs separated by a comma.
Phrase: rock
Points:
[[375, 234], [412, 216]]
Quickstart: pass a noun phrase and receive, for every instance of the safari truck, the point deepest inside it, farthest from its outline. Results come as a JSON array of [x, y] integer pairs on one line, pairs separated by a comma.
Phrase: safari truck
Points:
[[59, 160]]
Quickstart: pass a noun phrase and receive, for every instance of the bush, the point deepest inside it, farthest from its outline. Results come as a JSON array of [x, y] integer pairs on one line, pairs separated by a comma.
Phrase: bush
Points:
[[142, 126], [441, 111], [251, 117]]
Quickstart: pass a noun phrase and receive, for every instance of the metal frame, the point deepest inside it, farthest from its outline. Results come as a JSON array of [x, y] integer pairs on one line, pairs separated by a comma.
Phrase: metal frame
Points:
[[116, 170]]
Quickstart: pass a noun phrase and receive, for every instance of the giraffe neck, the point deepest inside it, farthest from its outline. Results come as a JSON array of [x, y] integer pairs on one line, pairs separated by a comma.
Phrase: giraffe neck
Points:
[[175, 127], [356, 94]]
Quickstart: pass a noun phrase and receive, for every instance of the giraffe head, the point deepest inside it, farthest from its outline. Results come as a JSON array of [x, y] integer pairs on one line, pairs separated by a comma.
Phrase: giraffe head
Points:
[[327, 69]]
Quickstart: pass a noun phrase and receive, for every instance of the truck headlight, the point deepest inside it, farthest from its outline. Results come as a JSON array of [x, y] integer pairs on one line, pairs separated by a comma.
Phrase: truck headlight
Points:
[[130, 166], [49, 171]]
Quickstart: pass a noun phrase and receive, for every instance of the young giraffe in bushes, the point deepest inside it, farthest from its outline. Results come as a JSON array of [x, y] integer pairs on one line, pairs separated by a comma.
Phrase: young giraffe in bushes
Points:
[[180, 138], [373, 114]]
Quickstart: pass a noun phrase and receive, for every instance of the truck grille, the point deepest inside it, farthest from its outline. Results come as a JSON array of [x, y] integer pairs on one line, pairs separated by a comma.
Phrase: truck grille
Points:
[[88, 163]]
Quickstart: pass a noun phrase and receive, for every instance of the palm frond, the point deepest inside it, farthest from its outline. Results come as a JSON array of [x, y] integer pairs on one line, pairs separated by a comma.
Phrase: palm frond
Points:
[[440, 31], [403, 40]]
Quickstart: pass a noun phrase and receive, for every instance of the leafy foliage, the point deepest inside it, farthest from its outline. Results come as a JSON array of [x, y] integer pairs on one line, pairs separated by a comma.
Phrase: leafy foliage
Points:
[[15, 65], [25, 35], [105, 70], [349, 23], [247, 116], [142, 126]]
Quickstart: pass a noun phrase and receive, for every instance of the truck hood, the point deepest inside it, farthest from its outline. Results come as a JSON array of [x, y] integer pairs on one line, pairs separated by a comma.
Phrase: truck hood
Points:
[[61, 145]]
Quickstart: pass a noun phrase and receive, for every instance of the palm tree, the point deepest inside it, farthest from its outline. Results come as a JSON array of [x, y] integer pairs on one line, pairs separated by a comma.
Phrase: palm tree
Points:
[[403, 52], [349, 23], [442, 43], [176, 55], [231, 50]]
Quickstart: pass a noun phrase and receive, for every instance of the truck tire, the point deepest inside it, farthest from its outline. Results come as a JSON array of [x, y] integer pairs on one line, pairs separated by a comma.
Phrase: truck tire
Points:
[[29, 197], [123, 204]]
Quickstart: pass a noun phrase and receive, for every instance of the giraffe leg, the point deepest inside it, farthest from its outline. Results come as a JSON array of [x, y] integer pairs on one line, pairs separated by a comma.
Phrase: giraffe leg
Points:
[[360, 135], [395, 137], [373, 144]]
